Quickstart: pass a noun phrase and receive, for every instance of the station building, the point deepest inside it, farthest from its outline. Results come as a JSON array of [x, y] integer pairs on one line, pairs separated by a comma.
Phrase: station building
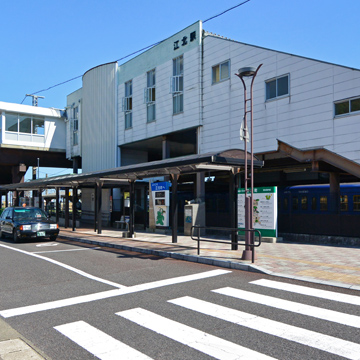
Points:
[[182, 97]]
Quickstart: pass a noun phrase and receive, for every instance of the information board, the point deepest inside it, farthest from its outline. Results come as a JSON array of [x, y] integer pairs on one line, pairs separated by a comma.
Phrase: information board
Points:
[[161, 202], [264, 210]]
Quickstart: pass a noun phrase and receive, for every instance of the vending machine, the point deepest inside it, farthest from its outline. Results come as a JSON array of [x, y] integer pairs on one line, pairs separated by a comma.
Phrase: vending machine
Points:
[[161, 202]]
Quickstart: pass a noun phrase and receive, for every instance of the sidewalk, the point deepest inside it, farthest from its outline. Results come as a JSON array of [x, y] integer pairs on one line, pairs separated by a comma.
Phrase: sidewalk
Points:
[[13, 346], [328, 265]]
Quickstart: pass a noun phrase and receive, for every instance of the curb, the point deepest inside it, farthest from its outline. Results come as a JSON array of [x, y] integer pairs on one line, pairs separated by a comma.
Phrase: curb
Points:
[[214, 262], [192, 258]]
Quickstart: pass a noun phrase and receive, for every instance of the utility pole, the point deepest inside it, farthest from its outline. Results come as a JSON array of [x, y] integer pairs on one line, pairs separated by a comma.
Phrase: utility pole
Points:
[[35, 99]]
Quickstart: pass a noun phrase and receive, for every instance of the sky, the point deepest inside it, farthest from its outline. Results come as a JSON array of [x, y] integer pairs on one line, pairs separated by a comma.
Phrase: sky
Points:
[[48, 42]]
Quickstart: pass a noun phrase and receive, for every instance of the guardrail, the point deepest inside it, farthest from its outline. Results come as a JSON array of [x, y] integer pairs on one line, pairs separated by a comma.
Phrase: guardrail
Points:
[[231, 230]]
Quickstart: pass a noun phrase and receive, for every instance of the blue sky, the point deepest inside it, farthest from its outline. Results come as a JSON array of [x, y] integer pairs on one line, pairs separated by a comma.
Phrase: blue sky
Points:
[[47, 42]]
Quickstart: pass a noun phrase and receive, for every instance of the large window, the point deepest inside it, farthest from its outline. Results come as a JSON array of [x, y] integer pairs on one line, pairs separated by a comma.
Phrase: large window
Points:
[[221, 72], [347, 106], [127, 104], [150, 96], [177, 85], [277, 87], [25, 124]]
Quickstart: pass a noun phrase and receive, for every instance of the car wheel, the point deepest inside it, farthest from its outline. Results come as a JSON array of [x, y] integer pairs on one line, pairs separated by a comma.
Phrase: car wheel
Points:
[[1, 234], [53, 238], [15, 236]]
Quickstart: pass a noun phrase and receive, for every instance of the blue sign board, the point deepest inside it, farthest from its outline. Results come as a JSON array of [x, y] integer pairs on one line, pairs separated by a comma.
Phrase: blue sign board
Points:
[[160, 186]]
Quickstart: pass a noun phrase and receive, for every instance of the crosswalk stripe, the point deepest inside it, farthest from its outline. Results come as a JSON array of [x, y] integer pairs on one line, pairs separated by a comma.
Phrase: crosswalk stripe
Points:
[[310, 338], [304, 290], [110, 293], [196, 339], [98, 343], [320, 313]]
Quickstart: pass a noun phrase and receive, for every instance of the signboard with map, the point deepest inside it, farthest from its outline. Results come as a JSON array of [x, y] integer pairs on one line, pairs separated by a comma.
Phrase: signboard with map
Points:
[[264, 210]]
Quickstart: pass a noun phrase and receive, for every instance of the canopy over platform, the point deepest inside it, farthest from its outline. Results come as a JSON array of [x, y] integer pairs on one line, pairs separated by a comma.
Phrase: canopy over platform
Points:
[[231, 160], [223, 161]]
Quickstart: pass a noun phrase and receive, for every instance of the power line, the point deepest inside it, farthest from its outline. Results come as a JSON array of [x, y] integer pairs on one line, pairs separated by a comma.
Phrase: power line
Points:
[[136, 52], [222, 13]]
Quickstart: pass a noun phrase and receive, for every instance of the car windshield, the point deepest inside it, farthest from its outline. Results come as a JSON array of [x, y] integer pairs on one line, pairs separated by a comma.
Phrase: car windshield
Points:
[[29, 214]]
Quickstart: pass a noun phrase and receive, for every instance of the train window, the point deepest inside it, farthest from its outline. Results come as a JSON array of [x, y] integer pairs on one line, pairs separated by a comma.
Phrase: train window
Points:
[[344, 204], [356, 202], [323, 203], [286, 204], [313, 203], [304, 202], [295, 203]]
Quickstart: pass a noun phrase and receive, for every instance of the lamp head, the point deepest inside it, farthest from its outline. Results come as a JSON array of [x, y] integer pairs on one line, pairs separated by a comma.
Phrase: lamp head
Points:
[[247, 71]]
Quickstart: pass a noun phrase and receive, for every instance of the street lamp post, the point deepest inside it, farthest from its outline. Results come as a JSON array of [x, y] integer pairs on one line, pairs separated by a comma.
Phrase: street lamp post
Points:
[[248, 136]]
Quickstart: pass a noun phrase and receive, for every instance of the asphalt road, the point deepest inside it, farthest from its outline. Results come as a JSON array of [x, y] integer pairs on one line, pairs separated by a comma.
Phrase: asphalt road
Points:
[[75, 301]]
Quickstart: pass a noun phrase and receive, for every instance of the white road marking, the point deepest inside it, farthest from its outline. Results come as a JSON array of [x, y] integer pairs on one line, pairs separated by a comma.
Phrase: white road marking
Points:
[[47, 244], [310, 338], [196, 339], [68, 267], [108, 294], [308, 310], [98, 343], [304, 290], [57, 251]]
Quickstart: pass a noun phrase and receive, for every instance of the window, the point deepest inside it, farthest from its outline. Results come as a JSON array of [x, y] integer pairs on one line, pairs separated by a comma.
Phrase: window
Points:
[[313, 203], [75, 125], [38, 126], [221, 72], [150, 96], [285, 204], [295, 203], [177, 85], [344, 204], [347, 106], [25, 124], [11, 122], [127, 104], [277, 87], [356, 202], [323, 203], [304, 202]]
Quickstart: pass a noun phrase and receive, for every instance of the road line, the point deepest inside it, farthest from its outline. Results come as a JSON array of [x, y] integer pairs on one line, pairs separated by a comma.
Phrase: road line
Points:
[[56, 251], [77, 271], [304, 290], [196, 339], [108, 294], [302, 336], [98, 343], [308, 310]]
